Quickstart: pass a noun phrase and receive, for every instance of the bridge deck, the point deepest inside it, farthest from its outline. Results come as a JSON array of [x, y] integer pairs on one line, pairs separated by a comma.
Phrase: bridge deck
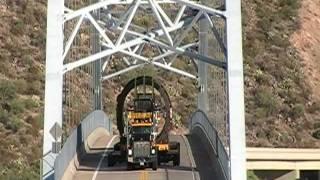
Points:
[[93, 166]]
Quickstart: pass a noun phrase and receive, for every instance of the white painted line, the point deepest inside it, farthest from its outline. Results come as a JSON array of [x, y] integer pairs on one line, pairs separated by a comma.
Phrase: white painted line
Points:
[[102, 158]]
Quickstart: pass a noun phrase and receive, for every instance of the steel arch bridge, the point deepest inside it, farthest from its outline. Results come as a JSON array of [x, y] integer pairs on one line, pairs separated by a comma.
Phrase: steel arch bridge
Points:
[[83, 36]]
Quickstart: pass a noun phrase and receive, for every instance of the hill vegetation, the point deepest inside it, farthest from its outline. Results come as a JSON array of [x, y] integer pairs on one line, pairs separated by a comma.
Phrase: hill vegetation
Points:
[[22, 40], [281, 110]]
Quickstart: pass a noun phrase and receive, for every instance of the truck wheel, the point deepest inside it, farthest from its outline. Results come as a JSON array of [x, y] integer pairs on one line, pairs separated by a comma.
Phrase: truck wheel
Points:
[[129, 166], [176, 160], [155, 165], [110, 161]]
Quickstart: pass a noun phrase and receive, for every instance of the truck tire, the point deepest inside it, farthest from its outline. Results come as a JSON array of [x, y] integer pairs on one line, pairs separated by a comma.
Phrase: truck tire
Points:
[[176, 160], [111, 161], [155, 165], [129, 166]]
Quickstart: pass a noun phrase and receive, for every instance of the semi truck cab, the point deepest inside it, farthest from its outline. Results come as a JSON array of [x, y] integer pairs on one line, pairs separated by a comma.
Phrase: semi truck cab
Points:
[[141, 146]]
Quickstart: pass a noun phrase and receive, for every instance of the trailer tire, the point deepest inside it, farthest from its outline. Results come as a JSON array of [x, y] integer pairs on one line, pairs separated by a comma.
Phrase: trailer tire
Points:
[[155, 165], [130, 166], [176, 160]]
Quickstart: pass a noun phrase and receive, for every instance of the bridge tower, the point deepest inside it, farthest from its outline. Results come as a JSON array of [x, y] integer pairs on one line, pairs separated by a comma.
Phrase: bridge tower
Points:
[[168, 37]]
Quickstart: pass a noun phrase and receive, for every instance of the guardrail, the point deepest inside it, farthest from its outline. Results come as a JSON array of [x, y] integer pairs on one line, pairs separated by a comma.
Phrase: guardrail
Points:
[[199, 119], [77, 138]]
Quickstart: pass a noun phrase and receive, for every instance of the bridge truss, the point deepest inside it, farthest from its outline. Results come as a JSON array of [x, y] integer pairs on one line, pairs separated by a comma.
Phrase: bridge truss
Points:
[[83, 37]]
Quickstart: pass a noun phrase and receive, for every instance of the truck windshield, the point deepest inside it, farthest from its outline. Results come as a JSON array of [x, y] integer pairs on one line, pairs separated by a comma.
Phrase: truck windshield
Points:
[[143, 105], [141, 130]]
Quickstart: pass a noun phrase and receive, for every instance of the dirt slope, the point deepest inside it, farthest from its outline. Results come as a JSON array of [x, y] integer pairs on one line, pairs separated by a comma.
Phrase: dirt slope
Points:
[[307, 42]]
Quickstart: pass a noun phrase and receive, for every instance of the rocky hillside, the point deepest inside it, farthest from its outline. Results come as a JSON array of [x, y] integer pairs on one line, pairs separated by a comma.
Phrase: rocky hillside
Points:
[[281, 109], [281, 52], [21, 87]]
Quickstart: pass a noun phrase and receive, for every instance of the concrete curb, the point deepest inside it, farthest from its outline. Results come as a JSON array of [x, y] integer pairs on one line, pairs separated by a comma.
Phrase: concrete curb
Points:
[[85, 148]]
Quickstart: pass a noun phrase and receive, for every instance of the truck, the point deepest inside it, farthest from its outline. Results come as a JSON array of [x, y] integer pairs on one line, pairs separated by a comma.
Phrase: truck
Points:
[[143, 149]]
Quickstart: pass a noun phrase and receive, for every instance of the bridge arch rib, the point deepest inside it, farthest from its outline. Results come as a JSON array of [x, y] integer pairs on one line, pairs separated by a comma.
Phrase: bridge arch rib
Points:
[[141, 80], [200, 121]]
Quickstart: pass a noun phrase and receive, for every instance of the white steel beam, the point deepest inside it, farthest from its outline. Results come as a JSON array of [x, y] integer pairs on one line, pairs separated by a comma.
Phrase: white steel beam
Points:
[[102, 4], [160, 21], [102, 54], [128, 22], [236, 91], [203, 101], [99, 29], [169, 53], [180, 13], [185, 33], [105, 64], [144, 59], [72, 36], [53, 82], [109, 76], [201, 7], [108, 52], [152, 61], [163, 14], [216, 34], [180, 50]]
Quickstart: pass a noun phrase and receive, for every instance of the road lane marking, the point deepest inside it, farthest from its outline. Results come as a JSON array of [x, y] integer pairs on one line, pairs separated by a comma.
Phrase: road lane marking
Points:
[[141, 176], [102, 158], [144, 175]]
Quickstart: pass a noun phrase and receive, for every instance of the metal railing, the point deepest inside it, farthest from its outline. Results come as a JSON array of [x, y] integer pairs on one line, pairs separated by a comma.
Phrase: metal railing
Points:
[[199, 119], [75, 141]]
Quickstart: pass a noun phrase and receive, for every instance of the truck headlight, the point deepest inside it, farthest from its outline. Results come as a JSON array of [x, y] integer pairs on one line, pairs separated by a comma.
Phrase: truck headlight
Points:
[[153, 151], [130, 152]]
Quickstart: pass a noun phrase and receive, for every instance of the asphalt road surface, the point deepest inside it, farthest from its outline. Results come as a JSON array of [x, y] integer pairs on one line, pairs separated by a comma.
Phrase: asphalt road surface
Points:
[[93, 166]]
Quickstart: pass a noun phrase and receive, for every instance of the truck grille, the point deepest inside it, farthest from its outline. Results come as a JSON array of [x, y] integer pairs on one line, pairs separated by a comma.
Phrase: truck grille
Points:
[[141, 149]]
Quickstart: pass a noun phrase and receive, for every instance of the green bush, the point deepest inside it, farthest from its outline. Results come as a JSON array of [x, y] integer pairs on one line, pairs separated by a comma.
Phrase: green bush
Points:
[[14, 124], [30, 103], [4, 116], [297, 111], [7, 91], [314, 107], [316, 134], [17, 106], [21, 86], [265, 99], [17, 27], [251, 176], [34, 88]]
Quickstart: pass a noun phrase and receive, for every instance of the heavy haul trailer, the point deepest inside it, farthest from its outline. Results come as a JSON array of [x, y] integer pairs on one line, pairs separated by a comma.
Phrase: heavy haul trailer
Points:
[[142, 147], [165, 151]]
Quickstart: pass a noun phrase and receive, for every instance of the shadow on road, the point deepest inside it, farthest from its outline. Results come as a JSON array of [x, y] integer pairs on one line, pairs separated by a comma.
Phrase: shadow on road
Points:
[[206, 164]]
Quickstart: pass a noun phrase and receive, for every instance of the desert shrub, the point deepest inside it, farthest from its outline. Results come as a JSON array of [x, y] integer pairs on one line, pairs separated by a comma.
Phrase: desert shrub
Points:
[[7, 91], [297, 111], [30, 103], [34, 87], [17, 27], [316, 134], [4, 116], [36, 122], [14, 124], [17, 106], [265, 99], [20, 172], [34, 74], [314, 107], [251, 176], [21, 86], [317, 124]]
